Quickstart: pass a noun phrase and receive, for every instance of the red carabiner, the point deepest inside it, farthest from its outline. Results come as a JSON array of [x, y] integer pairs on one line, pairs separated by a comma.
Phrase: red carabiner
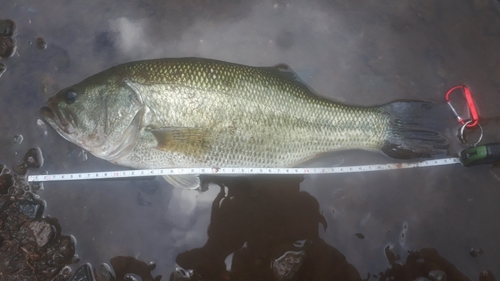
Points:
[[470, 102]]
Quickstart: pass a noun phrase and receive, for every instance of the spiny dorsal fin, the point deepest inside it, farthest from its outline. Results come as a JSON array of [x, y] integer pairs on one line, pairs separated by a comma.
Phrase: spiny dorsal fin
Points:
[[285, 71], [283, 66], [302, 76]]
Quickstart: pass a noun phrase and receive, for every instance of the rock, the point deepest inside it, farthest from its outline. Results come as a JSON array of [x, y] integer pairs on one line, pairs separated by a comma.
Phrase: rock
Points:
[[12, 264], [63, 275], [21, 169], [392, 258], [34, 158], [31, 209], [285, 266], [17, 139], [6, 181], [474, 252], [42, 231], [41, 44], [7, 47], [487, 275], [65, 249], [437, 275], [7, 27], [83, 273]]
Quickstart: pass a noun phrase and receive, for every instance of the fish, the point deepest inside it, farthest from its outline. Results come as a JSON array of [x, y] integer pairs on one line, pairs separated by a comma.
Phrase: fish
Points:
[[197, 112]]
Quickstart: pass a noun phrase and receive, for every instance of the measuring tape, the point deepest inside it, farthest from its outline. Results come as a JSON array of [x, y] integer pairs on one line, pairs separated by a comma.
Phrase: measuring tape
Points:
[[240, 171]]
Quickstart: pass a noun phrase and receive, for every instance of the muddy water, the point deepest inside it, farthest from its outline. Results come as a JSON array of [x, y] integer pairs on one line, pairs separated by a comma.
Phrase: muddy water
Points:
[[372, 224]]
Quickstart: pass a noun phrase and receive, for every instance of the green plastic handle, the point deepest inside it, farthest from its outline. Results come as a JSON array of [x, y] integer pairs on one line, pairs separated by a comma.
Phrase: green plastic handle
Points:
[[483, 154]]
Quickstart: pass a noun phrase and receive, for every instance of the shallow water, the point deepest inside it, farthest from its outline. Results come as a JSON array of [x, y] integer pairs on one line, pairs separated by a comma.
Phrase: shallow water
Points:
[[357, 52]]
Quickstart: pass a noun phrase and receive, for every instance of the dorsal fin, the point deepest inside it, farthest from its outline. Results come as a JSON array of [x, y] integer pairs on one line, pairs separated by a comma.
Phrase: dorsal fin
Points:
[[285, 71], [302, 75], [283, 66]]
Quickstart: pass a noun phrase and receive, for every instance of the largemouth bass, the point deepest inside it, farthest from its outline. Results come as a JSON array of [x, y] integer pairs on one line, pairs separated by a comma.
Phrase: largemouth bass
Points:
[[192, 112]]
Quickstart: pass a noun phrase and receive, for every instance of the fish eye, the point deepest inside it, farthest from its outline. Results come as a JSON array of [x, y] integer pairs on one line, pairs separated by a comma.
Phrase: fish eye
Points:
[[70, 97]]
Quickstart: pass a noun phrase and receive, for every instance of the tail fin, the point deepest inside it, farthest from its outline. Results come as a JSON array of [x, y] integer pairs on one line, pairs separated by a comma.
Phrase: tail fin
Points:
[[416, 128]]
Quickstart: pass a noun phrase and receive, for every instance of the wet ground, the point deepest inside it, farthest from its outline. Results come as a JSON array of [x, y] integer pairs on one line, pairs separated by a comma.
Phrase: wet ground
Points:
[[406, 224]]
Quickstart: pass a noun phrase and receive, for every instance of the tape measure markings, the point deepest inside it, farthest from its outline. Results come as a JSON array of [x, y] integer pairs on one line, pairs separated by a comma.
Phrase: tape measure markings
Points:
[[238, 171]]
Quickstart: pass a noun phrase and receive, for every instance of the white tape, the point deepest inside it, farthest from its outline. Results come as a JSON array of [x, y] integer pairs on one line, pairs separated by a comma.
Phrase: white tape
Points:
[[240, 171]]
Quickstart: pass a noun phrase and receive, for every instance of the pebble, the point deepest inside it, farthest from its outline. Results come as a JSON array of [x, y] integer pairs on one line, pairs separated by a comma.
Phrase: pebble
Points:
[[392, 258], [75, 259], [18, 139], [487, 275], [34, 158], [31, 209], [42, 126], [285, 266], [6, 181], [42, 231], [84, 272], [474, 252], [21, 169], [41, 44], [360, 236], [152, 265], [37, 186], [7, 47], [437, 275], [7, 27]]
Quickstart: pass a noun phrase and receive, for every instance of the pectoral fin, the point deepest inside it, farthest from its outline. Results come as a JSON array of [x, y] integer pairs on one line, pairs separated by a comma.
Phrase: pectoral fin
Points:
[[192, 141]]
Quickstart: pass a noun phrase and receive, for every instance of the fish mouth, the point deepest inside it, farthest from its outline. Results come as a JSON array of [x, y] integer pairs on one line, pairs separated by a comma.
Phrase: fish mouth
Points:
[[61, 120]]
